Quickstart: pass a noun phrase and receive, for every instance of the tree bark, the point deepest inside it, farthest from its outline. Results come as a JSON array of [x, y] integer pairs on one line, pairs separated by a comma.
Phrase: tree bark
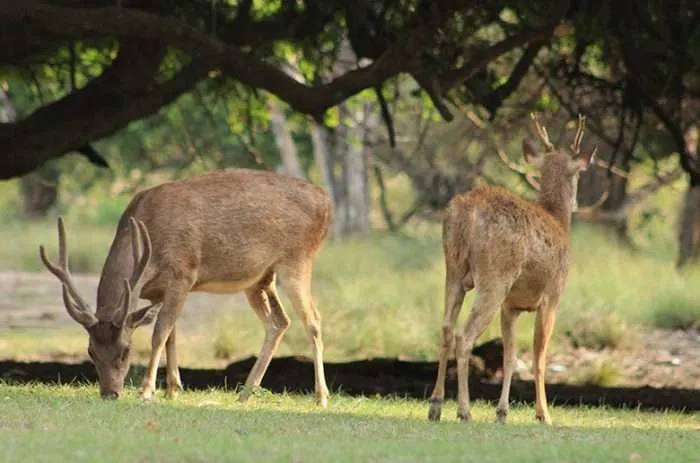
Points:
[[284, 141], [689, 228], [319, 140], [356, 176], [689, 220], [39, 191]]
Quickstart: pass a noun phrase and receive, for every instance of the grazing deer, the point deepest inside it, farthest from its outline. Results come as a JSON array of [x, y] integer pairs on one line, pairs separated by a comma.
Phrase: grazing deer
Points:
[[516, 255], [222, 232]]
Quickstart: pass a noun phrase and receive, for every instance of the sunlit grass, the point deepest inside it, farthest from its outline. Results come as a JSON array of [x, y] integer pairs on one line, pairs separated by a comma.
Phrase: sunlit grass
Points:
[[43, 423]]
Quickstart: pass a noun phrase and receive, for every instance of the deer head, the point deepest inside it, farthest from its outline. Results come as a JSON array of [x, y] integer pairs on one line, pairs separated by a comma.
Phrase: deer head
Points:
[[559, 170], [109, 344]]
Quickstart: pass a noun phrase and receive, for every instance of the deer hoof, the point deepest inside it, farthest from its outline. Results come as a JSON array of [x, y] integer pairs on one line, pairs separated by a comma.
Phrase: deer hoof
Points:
[[146, 394], [464, 416], [173, 391], [544, 419], [435, 410], [322, 401], [245, 395]]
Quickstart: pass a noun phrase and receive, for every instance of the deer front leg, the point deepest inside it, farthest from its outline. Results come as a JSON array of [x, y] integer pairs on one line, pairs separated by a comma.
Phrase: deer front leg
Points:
[[174, 384], [454, 297], [508, 318], [172, 307], [544, 324], [267, 306], [485, 306]]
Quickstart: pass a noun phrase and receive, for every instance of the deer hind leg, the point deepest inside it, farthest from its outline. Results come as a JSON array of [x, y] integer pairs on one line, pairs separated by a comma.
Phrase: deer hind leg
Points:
[[296, 279], [508, 318], [174, 384], [454, 297], [267, 306], [173, 304], [486, 304], [544, 324]]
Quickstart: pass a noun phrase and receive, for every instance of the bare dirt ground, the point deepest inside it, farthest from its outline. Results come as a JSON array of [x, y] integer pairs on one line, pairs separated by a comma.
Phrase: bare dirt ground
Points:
[[33, 300], [660, 358]]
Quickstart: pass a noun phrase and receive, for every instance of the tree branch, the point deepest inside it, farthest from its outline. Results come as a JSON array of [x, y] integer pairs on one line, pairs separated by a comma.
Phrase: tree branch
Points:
[[518, 39], [52, 135], [242, 66]]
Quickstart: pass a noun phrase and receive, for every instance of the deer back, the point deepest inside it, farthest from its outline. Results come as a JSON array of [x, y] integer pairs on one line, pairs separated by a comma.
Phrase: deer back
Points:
[[225, 227]]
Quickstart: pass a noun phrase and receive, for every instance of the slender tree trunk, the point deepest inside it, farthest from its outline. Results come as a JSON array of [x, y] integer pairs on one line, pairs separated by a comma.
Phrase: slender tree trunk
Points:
[[689, 220], [285, 143], [356, 176], [689, 227]]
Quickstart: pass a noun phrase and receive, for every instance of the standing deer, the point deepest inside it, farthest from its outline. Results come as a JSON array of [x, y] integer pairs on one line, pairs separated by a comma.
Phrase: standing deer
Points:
[[222, 232], [516, 255]]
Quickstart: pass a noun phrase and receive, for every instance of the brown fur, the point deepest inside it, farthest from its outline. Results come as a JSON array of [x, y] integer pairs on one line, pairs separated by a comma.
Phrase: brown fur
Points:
[[516, 255], [222, 232]]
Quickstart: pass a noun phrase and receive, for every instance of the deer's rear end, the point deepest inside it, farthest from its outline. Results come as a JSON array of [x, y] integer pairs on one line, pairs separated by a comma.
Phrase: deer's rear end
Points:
[[515, 254]]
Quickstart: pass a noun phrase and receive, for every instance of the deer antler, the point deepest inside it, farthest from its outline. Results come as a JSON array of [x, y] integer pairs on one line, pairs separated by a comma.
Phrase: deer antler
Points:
[[518, 169], [576, 145], [141, 250], [541, 132], [593, 208], [77, 308]]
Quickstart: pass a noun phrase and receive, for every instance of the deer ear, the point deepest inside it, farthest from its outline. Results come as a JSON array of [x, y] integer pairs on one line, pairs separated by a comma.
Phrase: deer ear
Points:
[[142, 317], [531, 155]]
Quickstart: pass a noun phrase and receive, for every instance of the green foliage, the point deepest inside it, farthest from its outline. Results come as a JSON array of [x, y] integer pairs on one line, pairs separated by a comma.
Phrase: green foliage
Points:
[[70, 423]]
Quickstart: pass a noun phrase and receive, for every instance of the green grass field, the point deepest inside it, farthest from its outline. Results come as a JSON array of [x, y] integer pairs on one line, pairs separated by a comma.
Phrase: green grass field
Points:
[[71, 424], [379, 296]]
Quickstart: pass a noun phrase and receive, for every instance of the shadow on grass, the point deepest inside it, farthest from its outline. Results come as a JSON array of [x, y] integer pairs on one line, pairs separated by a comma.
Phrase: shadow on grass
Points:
[[383, 377]]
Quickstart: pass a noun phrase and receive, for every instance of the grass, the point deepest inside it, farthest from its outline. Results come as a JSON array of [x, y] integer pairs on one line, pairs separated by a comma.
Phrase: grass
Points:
[[42, 423]]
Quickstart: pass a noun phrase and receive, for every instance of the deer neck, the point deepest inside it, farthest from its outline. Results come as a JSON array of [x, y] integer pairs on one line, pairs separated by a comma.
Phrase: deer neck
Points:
[[117, 267], [556, 198]]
